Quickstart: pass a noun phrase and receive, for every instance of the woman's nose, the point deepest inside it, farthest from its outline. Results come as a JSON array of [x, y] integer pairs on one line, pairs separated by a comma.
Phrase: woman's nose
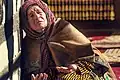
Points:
[[36, 15]]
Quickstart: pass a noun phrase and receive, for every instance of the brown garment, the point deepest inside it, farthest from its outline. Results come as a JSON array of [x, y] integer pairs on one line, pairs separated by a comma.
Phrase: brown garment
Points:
[[63, 43], [67, 43]]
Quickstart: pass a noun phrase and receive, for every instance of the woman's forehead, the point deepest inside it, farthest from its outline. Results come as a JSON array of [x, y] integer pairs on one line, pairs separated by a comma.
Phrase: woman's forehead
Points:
[[34, 8]]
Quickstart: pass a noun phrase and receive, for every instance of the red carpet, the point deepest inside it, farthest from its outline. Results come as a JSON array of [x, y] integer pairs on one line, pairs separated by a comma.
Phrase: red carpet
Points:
[[117, 72]]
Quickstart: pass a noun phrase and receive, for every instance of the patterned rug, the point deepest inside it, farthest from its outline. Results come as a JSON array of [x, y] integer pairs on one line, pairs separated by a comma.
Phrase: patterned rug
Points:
[[112, 41], [110, 44], [112, 55]]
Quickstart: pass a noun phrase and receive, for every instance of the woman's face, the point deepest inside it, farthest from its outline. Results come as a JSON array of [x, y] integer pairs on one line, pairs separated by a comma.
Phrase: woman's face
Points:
[[37, 18]]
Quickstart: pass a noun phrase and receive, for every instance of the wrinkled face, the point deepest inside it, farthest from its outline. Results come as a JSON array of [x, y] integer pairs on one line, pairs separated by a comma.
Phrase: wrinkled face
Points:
[[37, 18]]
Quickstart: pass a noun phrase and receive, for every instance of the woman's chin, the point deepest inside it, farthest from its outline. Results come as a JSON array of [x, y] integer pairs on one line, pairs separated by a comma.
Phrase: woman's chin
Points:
[[39, 30]]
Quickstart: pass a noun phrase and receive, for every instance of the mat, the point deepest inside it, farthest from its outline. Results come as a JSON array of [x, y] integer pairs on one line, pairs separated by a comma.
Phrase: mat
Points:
[[112, 55], [112, 41]]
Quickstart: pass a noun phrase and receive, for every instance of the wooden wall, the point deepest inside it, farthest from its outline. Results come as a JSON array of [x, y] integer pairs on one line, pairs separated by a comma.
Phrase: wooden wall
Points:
[[101, 24]]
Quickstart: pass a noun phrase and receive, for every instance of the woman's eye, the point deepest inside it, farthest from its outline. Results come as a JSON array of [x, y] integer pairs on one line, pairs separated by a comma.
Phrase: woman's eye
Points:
[[38, 12], [31, 15]]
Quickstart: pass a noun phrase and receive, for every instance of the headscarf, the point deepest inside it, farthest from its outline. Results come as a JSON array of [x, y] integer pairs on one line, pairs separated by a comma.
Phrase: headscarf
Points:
[[24, 21]]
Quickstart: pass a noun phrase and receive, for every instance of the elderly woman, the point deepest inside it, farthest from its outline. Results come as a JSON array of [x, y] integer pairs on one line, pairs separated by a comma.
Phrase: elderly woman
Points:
[[53, 49]]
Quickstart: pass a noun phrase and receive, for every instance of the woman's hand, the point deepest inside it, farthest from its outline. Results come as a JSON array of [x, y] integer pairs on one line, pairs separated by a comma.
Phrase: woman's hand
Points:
[[70, 68], [41, 76], [64, 69]]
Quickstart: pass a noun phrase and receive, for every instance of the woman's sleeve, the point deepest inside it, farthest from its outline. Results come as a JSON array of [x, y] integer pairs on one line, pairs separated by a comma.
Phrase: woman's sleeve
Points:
[[51, 71]]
